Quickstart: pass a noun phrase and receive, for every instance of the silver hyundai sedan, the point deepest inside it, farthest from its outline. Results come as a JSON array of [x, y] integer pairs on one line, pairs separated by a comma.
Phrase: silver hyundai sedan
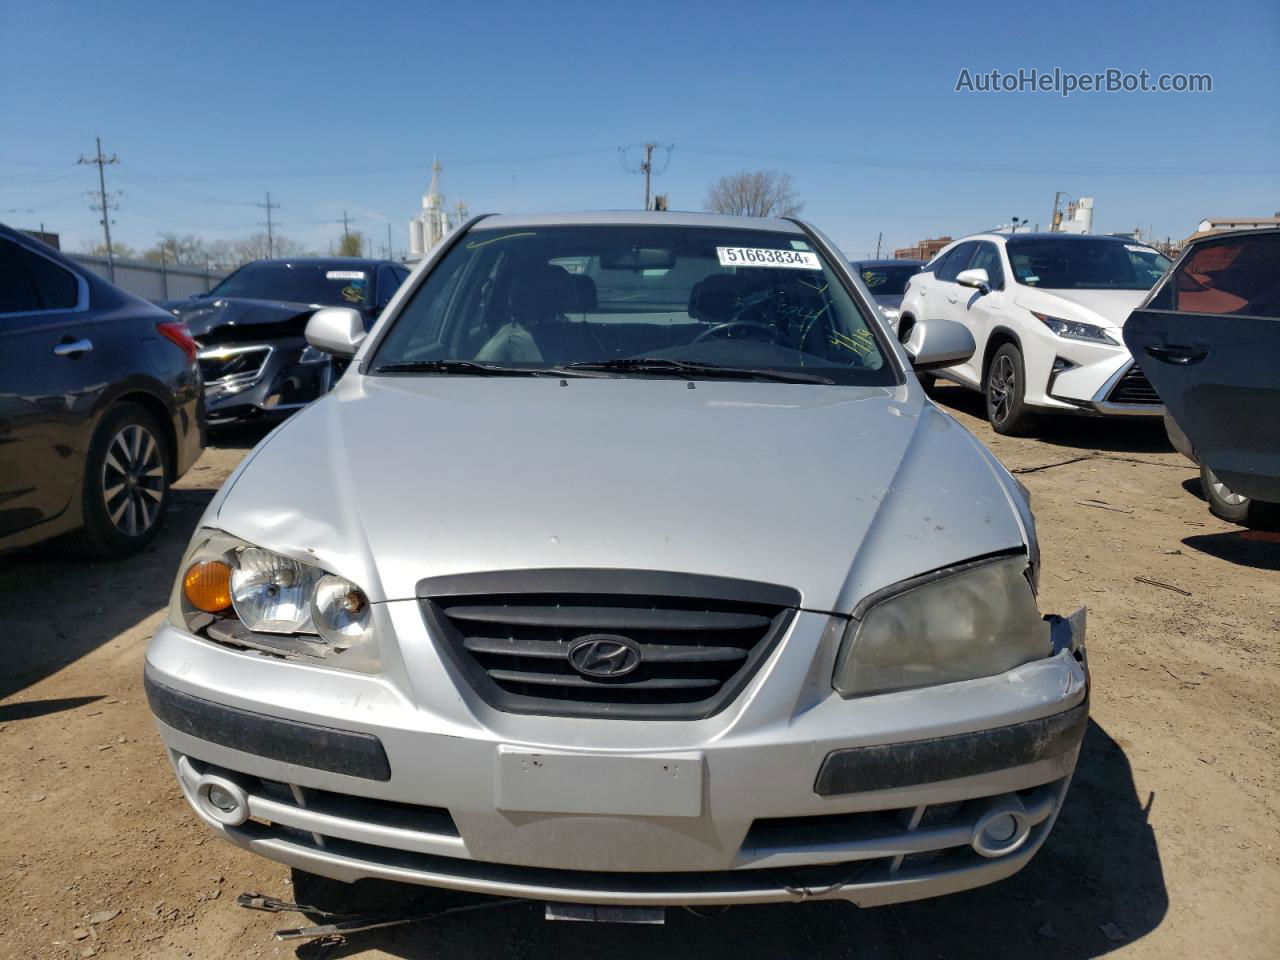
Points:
[[628, 565]]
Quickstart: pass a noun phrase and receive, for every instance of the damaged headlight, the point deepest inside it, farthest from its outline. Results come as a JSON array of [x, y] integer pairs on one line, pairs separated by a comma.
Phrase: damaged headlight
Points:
[[244, 596], [976, 620]]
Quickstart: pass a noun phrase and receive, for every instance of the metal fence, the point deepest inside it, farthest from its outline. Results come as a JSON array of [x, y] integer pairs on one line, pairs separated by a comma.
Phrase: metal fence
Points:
[[154, 281]]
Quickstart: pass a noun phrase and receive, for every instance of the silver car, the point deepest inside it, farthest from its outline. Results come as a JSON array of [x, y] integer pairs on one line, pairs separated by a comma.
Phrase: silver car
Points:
[[626, 565]]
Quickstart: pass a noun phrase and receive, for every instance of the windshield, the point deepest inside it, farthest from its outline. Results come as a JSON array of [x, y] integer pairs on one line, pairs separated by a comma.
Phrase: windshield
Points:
[[329, 285], [886, 281], [1076, 264], [635, 301]]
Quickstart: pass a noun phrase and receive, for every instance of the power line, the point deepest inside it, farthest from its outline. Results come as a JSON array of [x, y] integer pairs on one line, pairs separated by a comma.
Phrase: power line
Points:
[[104, 203], [269, 206], [646, 165]]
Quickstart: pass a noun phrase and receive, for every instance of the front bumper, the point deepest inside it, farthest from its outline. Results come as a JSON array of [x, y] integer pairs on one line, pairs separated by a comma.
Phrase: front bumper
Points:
[[1092, 378], [278, 382], [793, 797]]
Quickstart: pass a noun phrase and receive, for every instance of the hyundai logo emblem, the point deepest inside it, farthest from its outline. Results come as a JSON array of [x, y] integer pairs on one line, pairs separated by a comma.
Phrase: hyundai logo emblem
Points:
[[604, 655]]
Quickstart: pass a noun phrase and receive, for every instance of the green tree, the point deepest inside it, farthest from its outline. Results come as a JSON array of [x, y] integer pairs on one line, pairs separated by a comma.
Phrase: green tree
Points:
[[351, 244]]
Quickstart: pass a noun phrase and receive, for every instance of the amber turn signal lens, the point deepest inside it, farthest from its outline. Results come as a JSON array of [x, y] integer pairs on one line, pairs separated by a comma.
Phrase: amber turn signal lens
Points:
[[208, 585]]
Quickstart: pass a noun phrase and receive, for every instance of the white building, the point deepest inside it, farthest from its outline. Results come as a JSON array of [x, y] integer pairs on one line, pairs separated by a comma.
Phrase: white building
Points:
[[1078, 218], [433, 222]]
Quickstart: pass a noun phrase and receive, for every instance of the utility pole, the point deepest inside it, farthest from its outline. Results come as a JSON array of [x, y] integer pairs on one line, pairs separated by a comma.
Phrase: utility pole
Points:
[[878, 241], [1053, 220], [389, 251], [269, 206], [345, 231], [646, 166], [104, 204]]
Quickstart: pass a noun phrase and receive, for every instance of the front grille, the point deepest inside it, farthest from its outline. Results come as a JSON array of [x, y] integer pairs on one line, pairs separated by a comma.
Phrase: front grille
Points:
[[232, 368], [1133, 387], [546, 642]]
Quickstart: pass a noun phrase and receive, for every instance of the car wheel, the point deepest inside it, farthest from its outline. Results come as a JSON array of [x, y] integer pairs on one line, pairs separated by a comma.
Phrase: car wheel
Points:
[[126, 483], [1004, 390], [1233, 507]]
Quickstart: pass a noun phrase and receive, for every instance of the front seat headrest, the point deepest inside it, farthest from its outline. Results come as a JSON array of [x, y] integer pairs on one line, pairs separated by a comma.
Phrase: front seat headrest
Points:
[[714, 298], [541, 291]]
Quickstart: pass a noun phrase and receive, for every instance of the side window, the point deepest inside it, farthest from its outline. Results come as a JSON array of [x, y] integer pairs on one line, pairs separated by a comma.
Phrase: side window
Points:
[[988, 258], [17, 289], [937, 263], [388, 283], [957, 260], [1235, 275], [56, 287]]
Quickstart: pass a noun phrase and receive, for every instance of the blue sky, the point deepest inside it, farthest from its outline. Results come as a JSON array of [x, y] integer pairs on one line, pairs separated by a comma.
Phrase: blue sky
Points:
[[335, 106]]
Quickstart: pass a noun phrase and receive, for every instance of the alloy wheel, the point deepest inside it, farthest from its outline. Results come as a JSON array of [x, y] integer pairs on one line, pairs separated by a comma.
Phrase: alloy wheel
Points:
[[1225, 493], [1001, 383], [133, 480]]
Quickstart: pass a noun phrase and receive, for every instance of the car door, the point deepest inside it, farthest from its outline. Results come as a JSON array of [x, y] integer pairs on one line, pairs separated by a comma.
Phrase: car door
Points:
[[47, 369], [947, 299], [1208, 339], [980, 312]]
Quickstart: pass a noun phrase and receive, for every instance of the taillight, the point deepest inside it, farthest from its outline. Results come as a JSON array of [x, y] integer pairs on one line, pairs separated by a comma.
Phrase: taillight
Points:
[[176, 332]]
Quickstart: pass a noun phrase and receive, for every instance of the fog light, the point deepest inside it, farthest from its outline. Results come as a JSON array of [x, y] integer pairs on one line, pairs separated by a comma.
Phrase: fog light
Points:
[[1002, 828], [998, 831], [222, 800]]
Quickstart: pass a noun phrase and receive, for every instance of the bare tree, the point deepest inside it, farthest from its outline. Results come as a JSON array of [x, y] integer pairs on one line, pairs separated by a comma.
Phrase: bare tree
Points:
[[759, 193]]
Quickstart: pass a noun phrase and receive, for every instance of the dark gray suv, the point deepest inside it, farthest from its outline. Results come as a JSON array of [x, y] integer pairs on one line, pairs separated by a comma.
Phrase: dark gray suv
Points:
[[101, 406]]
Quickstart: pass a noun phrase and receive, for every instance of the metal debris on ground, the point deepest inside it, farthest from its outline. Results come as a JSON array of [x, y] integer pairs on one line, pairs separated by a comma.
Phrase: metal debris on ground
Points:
[[345, 923], [1161, 583], [1103, 505]]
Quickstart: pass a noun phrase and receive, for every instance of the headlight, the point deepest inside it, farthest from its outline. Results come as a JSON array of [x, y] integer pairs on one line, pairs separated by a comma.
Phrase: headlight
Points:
[[974, 621], [243, 596], [312, 354], [1075, 330]]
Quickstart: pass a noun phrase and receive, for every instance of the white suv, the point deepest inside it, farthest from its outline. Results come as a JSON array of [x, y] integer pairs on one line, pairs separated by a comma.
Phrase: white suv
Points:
[[1045, 310]]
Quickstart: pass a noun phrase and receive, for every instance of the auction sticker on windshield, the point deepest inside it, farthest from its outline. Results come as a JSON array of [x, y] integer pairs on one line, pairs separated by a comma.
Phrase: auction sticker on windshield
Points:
[[344, 275], [760, 257]]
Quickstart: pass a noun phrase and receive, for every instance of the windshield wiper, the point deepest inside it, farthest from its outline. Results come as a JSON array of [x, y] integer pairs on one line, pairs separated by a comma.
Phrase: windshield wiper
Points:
[[692, 368], [470, 367]]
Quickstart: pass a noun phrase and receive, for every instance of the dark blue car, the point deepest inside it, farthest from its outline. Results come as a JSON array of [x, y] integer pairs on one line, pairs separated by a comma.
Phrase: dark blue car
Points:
[[101, 407], [255, 360]]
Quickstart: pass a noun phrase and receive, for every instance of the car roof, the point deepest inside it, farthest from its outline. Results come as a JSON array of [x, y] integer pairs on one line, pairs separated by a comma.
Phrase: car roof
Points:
[[1243, 232], [1045, 235], [648, 218], [336, 262]]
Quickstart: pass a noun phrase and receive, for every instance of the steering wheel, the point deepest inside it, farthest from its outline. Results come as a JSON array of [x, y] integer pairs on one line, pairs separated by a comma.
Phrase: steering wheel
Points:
[[721, 329]]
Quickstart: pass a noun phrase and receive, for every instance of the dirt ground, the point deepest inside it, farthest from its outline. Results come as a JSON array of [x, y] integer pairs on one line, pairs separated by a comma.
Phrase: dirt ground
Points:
[[1168, 845]]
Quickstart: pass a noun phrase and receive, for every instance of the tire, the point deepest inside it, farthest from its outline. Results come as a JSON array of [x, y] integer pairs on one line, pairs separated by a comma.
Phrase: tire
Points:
[[1235, 507], [1004, 388], [126, 484]]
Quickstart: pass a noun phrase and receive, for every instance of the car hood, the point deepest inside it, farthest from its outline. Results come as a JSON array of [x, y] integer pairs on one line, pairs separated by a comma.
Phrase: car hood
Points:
[[834, 491], [235, 320], [1105, 308]]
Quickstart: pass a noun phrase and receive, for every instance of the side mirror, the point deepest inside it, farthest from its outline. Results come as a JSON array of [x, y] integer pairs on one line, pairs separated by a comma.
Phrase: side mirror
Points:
[[976, 278], [338, 331], [932, 344]]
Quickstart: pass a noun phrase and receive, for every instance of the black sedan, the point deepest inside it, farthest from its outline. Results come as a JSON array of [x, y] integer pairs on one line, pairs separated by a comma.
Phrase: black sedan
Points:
[[100, 405], [255, 360], [1208, 339]]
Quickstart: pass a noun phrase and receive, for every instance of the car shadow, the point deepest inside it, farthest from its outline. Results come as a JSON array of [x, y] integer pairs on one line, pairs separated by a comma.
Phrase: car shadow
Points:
[[81, 605], [1109, 434], [1259, 549], [1097, 885]]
